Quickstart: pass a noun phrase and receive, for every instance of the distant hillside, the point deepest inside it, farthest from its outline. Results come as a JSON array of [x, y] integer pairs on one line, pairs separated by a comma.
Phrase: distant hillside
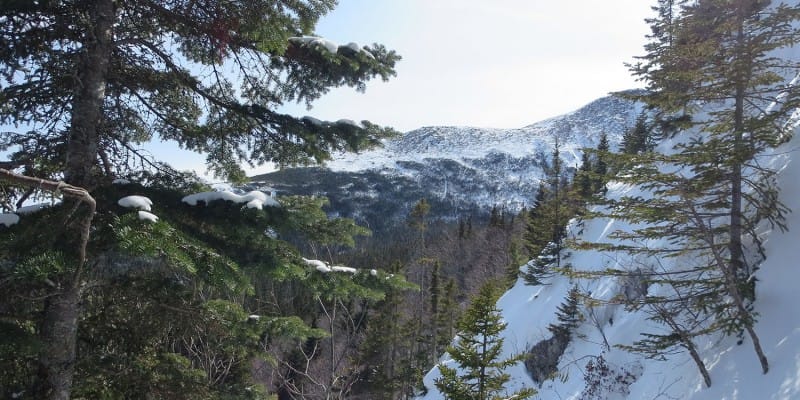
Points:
[[460, 170]]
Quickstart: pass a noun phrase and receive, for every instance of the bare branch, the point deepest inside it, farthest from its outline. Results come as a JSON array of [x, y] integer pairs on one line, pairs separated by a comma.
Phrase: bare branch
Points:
[[78, 193]]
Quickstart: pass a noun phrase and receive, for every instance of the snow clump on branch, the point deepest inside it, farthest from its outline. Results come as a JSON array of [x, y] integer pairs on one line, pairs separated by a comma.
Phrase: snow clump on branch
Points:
[[330, 46], [254, 199], [135, 201], [8, 219], [323, 267], [146, 216]]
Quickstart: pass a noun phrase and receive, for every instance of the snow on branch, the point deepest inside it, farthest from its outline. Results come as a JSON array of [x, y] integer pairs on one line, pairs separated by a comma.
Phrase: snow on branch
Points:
[[78, 193], [342, 122], [255, 199], [33, 208], [137, 202], [339, 268], [146, 216], [8, 219], [324, 267], [330, 46]]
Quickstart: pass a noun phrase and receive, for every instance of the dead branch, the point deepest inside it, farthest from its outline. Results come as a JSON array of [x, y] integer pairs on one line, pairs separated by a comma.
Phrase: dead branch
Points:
[[78, 193]]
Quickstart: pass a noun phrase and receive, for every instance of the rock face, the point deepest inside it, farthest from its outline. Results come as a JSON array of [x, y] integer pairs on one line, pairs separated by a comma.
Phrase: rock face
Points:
[[459, 170], [542, 359]]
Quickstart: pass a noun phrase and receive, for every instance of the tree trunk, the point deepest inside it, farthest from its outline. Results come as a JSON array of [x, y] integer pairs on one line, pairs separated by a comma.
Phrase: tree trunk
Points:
[[743, 76], [58, 334], [698, 361], [735, 230], [732, 288], [61, 311], [87, 106]]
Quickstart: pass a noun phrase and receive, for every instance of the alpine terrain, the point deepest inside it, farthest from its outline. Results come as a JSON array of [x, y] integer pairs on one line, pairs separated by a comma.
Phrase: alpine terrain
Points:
[[459, 170]]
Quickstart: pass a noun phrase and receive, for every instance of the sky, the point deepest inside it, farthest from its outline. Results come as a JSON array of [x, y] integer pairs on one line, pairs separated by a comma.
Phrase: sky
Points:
[[483, 63], [498, 63]]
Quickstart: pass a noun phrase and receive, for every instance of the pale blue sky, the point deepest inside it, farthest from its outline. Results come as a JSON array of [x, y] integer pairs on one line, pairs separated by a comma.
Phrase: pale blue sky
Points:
[[489, 63]]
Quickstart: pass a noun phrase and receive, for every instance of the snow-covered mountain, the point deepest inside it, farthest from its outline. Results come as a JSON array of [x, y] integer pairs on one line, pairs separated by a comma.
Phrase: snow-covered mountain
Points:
[[459, 170], [507, 163]]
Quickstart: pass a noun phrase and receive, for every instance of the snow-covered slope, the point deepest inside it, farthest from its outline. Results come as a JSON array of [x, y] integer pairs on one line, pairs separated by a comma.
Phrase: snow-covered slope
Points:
[[734, 368]]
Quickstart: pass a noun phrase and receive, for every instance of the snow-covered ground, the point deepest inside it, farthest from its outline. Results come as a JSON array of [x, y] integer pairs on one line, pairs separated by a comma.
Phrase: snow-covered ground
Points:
[[735, 371]]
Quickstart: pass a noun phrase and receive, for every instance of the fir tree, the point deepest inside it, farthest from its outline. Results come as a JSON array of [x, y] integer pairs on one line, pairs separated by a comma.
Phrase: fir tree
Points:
[[583, 180], [637, 140], [448, 316], [547, 222], [479, 374], [94, 80], [683, 324], [601, 164], [382, 353], [717, 55], [568, 315], [534, 241]]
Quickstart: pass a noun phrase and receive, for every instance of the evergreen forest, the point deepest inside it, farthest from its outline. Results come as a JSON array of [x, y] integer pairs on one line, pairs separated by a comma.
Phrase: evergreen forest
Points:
[[122, 277]]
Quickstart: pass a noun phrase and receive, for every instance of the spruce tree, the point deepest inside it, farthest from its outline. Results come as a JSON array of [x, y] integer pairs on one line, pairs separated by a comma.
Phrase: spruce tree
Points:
[[420, 354], [568, 315], [449, 314], [601, 164], [718, 74], [382, 352], [583, 180], [637, 139], [479, 372], [87, 82], [683, 320], [547, 223]]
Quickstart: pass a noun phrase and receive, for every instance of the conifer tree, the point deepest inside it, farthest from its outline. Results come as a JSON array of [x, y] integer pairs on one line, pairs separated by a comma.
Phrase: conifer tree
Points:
[[420, 353], [583, 180], [547, 222], [684, 321], [516, 256], [717, 71], [449, 314], [495, 217], [87, 82], [479, 373], [601, 164], [418, 218], [534, 240], [568, 315], [637, 139], [381, 354], [437, 292]]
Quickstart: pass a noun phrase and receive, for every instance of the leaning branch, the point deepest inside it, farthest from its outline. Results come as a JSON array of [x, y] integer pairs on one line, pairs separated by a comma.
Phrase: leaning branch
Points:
[[78, 193]]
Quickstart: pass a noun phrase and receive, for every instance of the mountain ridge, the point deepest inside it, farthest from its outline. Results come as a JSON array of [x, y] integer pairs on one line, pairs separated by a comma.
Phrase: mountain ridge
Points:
[[460, 170]]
